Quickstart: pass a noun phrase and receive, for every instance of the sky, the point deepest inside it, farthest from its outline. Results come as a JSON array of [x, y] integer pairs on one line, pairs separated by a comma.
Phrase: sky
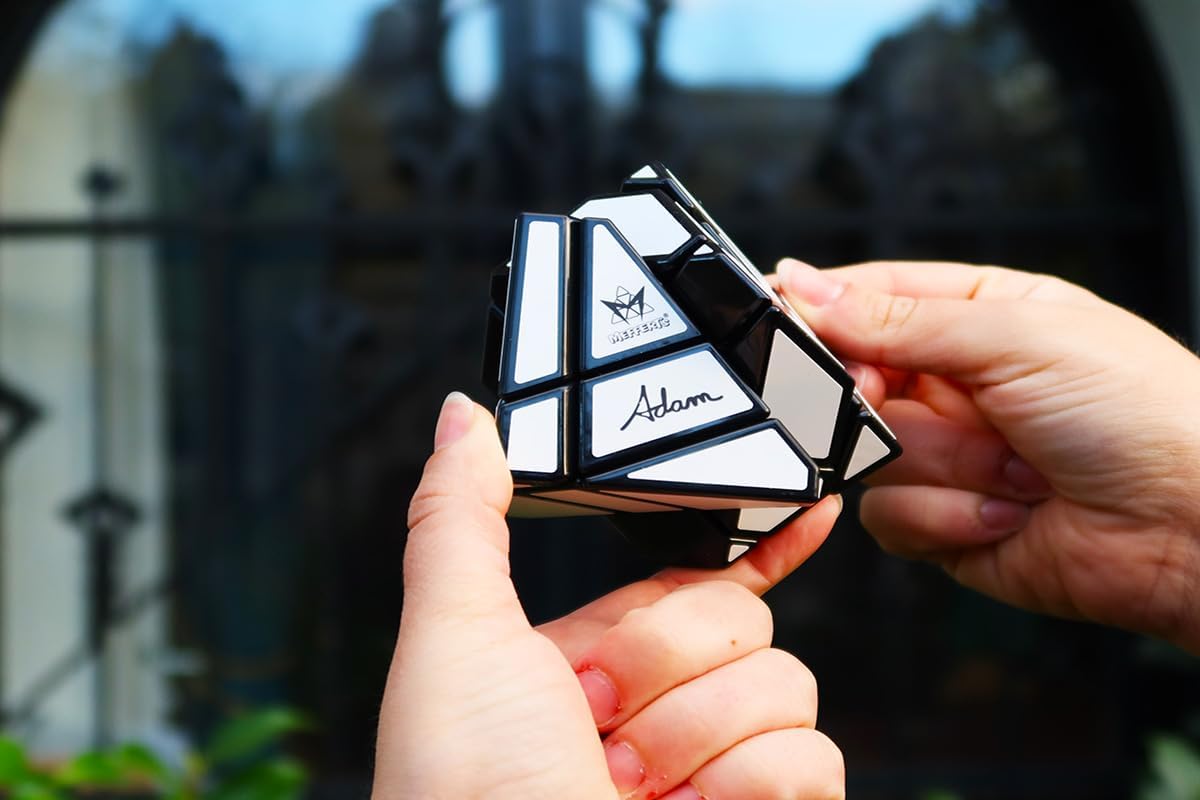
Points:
[[798, 44]]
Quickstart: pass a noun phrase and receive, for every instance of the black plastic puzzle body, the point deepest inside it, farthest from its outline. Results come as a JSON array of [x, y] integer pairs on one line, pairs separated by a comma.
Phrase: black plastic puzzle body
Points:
[[646, 371]]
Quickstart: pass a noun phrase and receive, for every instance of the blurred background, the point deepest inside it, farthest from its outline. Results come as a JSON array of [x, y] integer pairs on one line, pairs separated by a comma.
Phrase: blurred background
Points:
[[244, 248]]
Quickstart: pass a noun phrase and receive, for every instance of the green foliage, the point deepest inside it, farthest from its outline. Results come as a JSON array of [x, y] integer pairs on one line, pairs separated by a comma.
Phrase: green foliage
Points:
[[1174, 770], [244, 736], [281, 779], [237, 764]]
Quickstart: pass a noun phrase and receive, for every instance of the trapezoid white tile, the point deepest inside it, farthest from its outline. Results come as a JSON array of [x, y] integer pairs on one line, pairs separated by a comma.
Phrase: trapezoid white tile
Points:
[[802, 395], [533, 443]]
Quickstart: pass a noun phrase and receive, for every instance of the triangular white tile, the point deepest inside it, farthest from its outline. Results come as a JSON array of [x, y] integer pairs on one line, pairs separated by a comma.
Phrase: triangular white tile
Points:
[[867, 451], [737, 549], [642, 220], [761, 520], [626, 307]]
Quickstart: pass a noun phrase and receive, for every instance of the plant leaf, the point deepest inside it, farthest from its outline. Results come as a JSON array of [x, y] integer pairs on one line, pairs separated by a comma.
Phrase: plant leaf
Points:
[[278, 779], [92, 769], [138, 763], [1175, 767], [939, 794], [14, 767], [246, 735], [37, 790]]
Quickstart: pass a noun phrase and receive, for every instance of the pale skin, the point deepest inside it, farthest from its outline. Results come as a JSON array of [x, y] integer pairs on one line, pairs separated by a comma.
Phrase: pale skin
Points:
[[1052, 459], [667, 688], [1052, 455]]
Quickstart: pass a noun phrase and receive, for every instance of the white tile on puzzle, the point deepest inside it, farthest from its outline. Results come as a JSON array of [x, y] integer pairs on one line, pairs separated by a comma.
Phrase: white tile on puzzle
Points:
[[868, 450], [737, 549], [628, 309], [661, 399], [761, 520], [534, 432], [761, 459], [539, 337], [802, 395], [641, 219]]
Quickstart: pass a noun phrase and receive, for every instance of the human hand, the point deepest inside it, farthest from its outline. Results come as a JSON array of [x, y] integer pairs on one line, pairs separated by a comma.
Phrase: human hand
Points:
[[674, 672], [1051, 454]]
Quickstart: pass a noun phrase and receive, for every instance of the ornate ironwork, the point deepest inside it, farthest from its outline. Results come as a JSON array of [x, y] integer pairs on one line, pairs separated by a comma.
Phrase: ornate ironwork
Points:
[[370, 248], [18, 414]]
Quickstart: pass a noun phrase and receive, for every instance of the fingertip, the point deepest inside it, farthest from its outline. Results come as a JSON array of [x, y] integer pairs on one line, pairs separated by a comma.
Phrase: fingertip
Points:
[[809, 285], [785, 265], [999, 518], [601, 694], [869, 381], [1023, 478], [454, 420], [467, 462], [917, 521], [781, 553]]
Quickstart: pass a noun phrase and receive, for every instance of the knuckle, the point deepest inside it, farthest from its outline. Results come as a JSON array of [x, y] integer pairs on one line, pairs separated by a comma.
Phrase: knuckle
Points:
[[425, 505], [728, 599], [633, 618], [738, 596], [447, 490], [975, 459], [752, 613], [1052, 287], [790, 671], [892, 312], [429, 505], [721, 591], [643, 630], [1052, 283], [833, 768]]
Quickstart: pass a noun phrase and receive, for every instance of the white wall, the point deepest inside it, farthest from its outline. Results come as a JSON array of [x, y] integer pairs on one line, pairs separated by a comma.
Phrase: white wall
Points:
[[55, 123]]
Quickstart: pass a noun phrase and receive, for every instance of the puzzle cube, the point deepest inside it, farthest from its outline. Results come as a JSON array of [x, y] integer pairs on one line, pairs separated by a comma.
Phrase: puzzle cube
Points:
[[647, 372]]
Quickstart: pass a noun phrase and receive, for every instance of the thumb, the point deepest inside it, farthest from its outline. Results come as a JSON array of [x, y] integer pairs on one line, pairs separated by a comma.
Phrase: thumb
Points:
[[456, 558], [975, 341]]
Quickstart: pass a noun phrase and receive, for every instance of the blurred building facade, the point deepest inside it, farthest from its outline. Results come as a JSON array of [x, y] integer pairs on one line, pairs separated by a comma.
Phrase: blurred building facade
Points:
[[236, 309]]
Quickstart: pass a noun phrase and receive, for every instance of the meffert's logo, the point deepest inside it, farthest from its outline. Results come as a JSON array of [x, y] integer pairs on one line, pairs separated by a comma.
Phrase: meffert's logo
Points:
[[628, 306], [656, 411]]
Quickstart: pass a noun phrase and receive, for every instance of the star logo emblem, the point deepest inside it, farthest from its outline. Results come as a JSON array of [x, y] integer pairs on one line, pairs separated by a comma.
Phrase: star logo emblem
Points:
[[628, 305]]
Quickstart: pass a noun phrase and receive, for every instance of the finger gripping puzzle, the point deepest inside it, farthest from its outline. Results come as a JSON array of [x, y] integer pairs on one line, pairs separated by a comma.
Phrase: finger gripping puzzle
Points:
[[648, 372]]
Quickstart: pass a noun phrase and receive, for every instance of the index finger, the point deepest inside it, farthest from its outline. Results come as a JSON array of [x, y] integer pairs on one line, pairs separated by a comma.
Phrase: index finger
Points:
[[956, 281], [771, 561], [774, 558]]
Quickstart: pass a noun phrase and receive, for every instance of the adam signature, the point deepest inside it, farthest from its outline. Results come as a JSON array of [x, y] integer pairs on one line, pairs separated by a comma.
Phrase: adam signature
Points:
[[645, 410]]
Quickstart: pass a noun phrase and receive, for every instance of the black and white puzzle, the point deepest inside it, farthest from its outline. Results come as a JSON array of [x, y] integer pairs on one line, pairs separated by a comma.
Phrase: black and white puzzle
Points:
[[646, 371]]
